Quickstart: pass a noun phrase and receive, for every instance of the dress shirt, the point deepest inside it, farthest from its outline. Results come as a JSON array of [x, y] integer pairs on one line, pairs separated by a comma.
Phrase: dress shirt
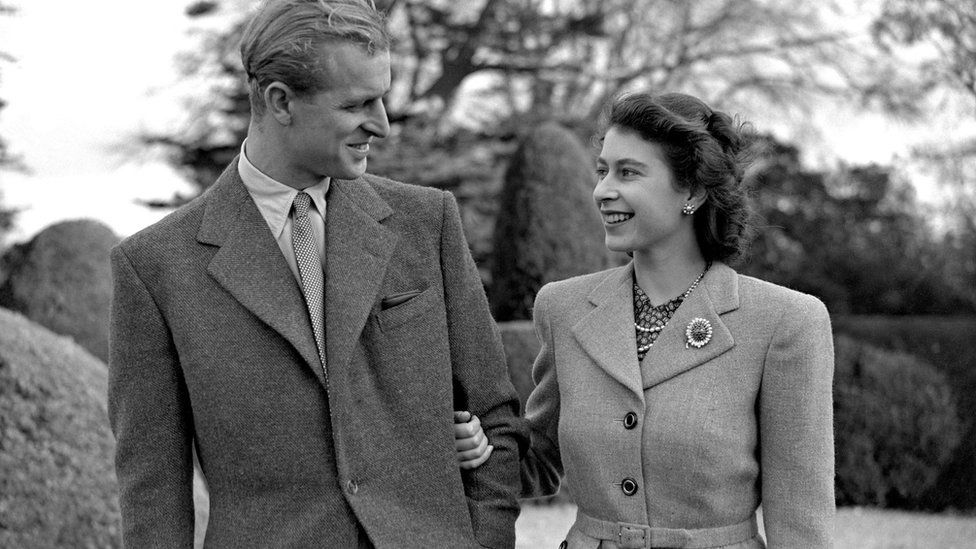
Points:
[[274, 200]]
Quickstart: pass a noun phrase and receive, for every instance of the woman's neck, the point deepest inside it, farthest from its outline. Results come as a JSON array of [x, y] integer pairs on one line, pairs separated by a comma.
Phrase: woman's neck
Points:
[[666, 276]]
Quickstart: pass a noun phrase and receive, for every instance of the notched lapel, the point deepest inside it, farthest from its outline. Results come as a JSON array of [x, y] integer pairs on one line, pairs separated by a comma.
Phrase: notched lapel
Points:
[[607, 332], [359, 249], [249, 265], [670, 356]]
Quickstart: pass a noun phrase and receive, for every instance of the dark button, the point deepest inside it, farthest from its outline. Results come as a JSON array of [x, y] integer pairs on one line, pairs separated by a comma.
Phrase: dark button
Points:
[[630, 420], [629, 486], [351, 487], [563, 545]]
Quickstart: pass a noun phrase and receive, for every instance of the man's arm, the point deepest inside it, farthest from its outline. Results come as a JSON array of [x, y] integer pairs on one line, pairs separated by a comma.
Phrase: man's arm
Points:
[[149, 412], [482, 386]]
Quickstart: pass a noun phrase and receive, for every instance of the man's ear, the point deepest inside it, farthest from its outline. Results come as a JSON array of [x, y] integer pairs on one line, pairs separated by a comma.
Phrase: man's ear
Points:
[[278, 98]]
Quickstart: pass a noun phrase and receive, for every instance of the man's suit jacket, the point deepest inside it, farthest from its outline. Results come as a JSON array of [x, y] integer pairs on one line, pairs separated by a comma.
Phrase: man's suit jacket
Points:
[[212, 345], [743, 420]]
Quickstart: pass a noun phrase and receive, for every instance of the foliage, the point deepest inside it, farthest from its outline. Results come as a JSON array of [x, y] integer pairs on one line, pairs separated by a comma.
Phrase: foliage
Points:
[[7, 159], [946, 343], [58, 487], [895, 426], [947, 27], [480, 64], [62, 280], [855, 239], [547, 227]]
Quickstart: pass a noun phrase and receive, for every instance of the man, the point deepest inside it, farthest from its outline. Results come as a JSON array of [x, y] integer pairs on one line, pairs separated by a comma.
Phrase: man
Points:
[[309, 328]]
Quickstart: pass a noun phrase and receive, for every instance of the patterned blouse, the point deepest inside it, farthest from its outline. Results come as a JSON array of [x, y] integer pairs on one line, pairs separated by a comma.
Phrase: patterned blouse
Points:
[[652, 318]]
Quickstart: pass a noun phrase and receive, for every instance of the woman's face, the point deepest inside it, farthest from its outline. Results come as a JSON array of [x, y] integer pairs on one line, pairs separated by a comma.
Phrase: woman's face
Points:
[[638, 196]]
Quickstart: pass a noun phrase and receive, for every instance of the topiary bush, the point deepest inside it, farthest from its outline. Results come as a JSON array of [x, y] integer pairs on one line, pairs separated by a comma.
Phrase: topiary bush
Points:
[[895, 423], [547, 227], [946, 343], [57, 482], [62, 280]]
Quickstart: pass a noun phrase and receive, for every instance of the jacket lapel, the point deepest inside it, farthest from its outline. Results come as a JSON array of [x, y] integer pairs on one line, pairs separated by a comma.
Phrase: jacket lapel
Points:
[[250, 266], [606, 333], [359, 249], [717, 294]]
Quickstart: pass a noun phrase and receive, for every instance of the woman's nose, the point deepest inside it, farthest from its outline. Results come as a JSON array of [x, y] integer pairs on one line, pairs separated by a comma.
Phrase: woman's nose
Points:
[[604, 190]]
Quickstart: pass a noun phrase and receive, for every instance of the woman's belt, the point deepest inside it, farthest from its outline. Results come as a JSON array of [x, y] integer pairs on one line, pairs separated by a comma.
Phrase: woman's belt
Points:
[[641, 536]]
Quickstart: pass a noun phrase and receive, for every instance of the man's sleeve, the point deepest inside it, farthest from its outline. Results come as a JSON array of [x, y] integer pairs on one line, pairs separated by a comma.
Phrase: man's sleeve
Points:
[[149, 414], [481, 385]]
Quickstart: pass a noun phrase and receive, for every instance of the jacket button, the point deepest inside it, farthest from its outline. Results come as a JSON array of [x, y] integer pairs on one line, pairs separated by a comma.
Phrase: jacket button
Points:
[[629, 486], [630, 420], [351, 487]]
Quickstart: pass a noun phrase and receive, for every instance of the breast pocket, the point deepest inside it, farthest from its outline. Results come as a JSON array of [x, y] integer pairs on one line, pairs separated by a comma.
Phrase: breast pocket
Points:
[[403, 312]]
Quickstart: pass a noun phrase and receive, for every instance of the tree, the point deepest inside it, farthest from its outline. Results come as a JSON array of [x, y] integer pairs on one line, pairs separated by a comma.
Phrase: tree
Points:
[[538, 59], [855, 237], [547, 227], [7, 159], [939, 37], [946, 32]]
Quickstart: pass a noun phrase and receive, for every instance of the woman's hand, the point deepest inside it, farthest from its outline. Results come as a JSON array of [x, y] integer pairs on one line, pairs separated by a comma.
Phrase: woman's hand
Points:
[[470, 440]]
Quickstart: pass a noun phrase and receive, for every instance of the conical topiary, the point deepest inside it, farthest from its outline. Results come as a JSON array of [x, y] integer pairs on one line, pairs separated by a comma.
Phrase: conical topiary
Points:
[[547, 226], [57, 482], [62, 280]]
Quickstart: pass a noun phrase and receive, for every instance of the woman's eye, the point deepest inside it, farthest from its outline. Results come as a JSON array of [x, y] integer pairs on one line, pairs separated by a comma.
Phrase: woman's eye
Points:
[[601, 172]]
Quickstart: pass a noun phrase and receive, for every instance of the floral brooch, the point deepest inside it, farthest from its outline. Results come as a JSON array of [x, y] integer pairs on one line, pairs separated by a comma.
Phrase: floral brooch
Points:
[[698, 332]]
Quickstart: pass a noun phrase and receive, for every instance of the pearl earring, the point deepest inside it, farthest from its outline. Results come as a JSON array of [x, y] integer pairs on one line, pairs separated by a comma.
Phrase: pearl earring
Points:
[[688, 209]]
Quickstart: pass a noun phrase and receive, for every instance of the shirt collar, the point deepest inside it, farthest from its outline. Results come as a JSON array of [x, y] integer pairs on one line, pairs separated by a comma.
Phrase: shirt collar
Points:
[[274, 198]]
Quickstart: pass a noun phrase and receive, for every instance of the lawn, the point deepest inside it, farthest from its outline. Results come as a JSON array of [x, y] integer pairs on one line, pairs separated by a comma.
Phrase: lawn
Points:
[[541, 526]]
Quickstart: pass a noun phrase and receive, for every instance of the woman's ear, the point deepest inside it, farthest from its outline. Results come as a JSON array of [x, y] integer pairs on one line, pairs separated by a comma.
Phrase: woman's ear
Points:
[[697, 197], [278, 98]]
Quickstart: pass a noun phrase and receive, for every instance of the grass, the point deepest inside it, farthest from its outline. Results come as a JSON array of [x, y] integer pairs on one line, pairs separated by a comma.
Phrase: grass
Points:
[[854, 528]]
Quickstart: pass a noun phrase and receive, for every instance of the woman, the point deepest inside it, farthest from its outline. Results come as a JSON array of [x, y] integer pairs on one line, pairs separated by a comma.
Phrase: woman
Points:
[[674, 394]]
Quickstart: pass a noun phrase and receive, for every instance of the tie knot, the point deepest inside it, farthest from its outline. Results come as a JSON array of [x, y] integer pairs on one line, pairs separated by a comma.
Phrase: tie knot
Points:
[[301, 203]]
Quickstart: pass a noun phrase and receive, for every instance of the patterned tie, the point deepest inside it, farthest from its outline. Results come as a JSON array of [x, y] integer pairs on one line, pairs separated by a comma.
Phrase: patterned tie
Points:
[[310, 269]]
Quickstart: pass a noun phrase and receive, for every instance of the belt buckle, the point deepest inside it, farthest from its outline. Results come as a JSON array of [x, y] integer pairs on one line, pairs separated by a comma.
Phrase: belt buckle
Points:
[[632, 536]]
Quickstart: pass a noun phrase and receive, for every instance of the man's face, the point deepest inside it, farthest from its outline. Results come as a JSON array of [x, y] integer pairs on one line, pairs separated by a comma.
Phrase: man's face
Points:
[[331, 129]]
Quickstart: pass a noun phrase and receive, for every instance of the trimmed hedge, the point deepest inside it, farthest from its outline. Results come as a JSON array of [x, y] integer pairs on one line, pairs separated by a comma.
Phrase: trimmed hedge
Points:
[[895, 426], [547, 227], [946, 343], [62, 279], [57, 486]]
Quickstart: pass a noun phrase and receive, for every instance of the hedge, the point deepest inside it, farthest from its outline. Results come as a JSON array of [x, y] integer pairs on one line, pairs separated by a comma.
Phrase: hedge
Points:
[[62, 280], [947, 343], [547, 227], [58, 486]]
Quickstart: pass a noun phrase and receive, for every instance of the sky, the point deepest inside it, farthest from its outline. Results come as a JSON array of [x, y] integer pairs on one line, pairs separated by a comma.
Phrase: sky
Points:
[[90, 74]]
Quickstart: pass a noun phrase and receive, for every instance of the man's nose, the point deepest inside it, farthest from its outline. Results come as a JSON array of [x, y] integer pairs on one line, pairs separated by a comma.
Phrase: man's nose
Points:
[[378, 124]]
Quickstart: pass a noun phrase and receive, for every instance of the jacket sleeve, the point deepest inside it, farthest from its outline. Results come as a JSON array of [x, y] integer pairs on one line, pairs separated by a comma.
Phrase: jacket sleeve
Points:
[[542, 466], [483, 386], [149, 414], [796, 430]]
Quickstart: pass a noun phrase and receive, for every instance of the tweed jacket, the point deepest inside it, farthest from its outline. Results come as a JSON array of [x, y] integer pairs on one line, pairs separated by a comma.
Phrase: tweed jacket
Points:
[[714, 431], [211, 345]]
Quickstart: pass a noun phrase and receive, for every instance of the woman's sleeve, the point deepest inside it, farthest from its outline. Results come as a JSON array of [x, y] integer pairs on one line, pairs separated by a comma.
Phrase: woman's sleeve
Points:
[[796, 429], [542, 467]]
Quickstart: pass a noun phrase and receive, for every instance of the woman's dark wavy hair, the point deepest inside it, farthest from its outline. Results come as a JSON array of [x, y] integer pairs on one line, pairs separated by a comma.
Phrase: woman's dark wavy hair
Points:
[[705, 149]]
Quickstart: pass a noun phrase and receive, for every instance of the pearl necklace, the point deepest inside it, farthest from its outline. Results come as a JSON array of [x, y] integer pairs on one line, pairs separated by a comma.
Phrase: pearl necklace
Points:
[[652, 329]]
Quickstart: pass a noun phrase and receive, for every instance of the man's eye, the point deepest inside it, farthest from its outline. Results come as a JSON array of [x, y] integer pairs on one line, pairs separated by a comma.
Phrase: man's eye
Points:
[[627, 172]]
